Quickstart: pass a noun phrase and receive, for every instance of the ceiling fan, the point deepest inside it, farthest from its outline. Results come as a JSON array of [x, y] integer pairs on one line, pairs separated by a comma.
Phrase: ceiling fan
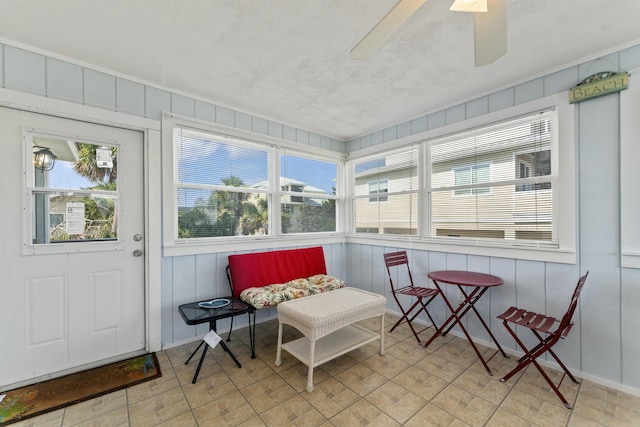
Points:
[[489, 23]]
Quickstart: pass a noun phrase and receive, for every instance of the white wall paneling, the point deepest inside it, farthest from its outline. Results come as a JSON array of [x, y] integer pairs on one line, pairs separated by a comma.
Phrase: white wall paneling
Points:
[[64, 80], [24, 71], [599, 231], [99, 89], [630, 173]]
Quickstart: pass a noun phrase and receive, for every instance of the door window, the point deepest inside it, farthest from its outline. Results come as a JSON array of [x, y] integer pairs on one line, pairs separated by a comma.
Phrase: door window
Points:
[[73, 190]]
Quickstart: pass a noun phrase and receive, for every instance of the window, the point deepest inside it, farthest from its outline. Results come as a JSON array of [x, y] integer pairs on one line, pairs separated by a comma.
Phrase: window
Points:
[[396, 176], [380, 186], [221, 187], [504, 173], [537, 163], [307, 194], [227, 186], [474, 174], [76, 200]]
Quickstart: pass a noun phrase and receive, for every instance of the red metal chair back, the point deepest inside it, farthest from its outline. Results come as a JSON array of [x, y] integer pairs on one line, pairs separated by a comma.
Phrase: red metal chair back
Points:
[[395, 259]]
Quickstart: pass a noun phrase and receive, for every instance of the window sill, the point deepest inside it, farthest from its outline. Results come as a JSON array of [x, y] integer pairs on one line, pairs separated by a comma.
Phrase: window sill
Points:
[[247, 243], [564, 256]]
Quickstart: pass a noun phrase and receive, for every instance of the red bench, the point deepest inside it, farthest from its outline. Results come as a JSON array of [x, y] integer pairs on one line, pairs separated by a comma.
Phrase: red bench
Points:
[[264, 279]]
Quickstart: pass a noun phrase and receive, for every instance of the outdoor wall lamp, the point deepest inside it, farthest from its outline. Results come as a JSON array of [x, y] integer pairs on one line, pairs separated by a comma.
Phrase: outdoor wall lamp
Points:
[[43, 159]]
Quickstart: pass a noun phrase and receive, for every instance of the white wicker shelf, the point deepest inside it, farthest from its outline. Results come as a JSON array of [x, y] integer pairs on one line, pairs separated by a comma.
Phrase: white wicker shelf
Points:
[[331, 346]]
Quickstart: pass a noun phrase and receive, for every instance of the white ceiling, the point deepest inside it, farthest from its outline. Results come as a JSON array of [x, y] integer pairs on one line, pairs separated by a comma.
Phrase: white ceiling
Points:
[[288, 60]]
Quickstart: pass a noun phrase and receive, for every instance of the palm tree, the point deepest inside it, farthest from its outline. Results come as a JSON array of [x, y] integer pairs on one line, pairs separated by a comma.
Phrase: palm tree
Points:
[[87, 166], [104, 178]]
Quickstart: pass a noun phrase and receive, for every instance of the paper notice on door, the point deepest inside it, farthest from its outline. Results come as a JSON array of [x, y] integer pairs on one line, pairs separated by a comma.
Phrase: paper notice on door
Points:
[[212, 338], [75, 218]]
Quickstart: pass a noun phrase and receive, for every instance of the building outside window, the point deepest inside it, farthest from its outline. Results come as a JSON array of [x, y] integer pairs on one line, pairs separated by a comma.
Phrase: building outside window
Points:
[[396, 176], [307, 193], [504, 173], [492, 183]]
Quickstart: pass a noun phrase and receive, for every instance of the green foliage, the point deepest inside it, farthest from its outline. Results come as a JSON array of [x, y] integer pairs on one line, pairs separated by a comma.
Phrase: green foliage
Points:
[[318, 218], [226, 213], [87, 167], [100, 213]]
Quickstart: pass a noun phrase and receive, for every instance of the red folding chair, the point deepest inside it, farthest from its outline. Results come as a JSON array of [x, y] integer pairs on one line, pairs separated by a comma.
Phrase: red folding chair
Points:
[[553, 330], [423, 295]]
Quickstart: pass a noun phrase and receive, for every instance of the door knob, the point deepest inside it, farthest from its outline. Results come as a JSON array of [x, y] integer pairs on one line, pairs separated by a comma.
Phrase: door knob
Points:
[[137, 253]]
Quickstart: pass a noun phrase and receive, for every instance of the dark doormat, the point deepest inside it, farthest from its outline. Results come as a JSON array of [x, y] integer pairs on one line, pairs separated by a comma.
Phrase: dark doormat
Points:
[[37, 399]]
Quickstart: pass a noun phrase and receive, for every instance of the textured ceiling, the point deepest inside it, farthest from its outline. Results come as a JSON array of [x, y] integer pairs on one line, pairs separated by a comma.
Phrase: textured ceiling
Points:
[[288, 60]]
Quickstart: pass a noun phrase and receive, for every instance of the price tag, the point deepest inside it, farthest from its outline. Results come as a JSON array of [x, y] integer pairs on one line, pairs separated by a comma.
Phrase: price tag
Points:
[[212, 339]]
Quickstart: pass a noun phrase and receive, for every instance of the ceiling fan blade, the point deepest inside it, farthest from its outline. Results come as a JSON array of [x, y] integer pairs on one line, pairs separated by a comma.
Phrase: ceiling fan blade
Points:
[[490, 30], [383, 29]]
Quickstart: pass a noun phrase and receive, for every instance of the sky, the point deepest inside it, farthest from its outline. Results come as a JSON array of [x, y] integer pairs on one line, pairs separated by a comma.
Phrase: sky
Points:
[[63, 176], [208, 162]]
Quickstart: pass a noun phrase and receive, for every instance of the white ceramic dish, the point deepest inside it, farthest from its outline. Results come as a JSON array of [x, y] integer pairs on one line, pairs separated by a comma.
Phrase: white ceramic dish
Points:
[[214, 303]]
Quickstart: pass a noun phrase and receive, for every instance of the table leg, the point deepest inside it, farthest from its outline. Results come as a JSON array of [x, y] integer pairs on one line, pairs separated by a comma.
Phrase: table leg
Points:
[[279, 347], [212, 326], [454, 319], [225, 347], [312, 356], [382, 335], [465, 305], [204, 353], [438, 331], [194, 351], [473, 307]]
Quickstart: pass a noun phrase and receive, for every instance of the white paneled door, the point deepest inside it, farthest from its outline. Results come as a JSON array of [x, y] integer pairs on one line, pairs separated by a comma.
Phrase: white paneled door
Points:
[[72, 245]]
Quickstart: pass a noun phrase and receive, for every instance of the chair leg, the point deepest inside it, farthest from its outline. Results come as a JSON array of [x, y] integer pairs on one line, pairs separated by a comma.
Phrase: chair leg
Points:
[[530, 358], [551, 384], [252, 332], [424, 306], [559, 362], [524, 361], [405, 317]]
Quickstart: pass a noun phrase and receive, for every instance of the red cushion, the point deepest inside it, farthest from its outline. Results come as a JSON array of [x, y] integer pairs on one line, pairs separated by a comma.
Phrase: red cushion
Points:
[[267, 268]]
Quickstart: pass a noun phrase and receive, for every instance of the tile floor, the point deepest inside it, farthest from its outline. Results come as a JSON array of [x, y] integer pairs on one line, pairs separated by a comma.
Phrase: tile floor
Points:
[[444, 385]]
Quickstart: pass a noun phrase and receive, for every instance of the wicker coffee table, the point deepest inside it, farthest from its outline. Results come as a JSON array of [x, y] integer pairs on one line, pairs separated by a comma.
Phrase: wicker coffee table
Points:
[[326, 320]]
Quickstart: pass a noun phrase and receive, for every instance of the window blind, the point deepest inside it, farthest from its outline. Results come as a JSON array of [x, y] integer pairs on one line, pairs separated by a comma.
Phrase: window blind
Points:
[[386, 193], [494, 183]]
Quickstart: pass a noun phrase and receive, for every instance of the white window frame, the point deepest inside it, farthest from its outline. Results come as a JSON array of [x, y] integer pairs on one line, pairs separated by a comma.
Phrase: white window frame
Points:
[[392, 190], [173, 246], [78, 246], [564, 185], [282, 193]]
